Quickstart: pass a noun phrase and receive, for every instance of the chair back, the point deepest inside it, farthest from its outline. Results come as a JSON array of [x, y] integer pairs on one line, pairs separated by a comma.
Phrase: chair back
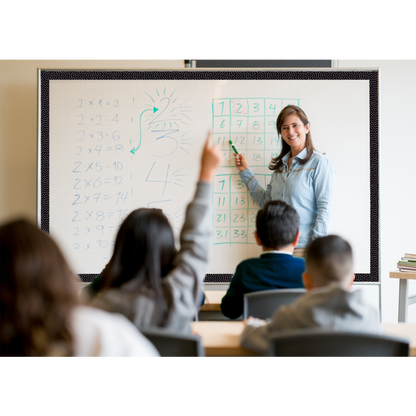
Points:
[[325, 343], [172, 344], [263, 303]]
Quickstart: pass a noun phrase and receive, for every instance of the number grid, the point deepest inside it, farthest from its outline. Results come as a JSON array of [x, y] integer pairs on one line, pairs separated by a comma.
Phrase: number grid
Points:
[[250, 123], [234, 213]]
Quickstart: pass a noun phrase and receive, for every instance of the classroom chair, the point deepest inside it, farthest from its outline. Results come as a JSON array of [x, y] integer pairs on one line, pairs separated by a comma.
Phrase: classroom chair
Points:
[[173, 344], [263, 303], [324, 343]]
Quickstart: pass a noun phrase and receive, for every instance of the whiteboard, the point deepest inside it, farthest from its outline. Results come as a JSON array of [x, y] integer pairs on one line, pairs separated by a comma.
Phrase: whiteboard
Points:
[[114, 141]]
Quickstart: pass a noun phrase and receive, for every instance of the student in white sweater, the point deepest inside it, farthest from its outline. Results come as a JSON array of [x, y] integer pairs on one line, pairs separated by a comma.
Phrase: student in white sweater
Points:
[[39, 307]]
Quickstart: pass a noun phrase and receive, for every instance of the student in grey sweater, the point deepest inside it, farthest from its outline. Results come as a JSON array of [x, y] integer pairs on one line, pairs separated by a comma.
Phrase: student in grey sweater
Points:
[[146, 279], [329, 303]]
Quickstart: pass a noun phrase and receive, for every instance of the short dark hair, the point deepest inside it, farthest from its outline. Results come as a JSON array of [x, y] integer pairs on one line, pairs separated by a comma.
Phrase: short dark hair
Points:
[[329, 259], [277, 224]]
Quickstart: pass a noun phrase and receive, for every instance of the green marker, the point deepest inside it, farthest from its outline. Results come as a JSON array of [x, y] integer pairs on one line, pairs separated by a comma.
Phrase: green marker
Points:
[[235, 150]]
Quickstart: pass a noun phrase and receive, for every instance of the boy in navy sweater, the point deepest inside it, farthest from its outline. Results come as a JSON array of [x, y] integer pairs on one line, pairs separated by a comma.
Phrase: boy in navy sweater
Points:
[[277, 231]]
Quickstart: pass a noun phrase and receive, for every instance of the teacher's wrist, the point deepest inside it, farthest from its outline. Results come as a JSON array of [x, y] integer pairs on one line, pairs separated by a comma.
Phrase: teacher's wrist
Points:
[[246, 173]]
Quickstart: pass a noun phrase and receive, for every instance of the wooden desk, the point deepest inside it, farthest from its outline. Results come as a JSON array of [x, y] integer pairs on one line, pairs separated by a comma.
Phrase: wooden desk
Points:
[[403, 330], [213, 300], [211, 309], [223, 338], [404, 299]]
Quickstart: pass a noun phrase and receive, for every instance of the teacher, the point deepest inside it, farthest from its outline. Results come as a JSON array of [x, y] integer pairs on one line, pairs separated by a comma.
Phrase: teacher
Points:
[[302, 177]]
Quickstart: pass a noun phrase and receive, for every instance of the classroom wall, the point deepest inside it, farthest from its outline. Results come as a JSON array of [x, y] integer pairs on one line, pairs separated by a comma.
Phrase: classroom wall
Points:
[[397, 173], [18, 153]]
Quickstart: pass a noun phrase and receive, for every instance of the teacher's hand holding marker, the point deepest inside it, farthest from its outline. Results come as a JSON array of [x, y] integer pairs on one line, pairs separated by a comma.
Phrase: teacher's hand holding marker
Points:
[[301, 176]]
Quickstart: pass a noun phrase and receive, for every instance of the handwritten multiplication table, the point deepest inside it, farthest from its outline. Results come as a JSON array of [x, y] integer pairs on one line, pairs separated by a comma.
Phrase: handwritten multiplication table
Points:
[[115, 151]]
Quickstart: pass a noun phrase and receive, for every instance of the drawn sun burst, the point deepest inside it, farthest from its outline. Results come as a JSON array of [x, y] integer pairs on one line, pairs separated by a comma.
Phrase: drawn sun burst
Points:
[[169, 127]]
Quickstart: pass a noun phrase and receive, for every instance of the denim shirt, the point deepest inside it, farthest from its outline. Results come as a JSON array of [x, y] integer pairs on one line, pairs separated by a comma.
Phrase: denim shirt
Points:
[[307, 188]]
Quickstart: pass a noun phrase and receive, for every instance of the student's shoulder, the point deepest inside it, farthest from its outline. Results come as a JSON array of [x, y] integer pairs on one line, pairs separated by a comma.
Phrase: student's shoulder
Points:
[[276, 259], [299, 260], [95, 320], [97, 317], [249, 262], [97, 332], [296, 261], [244, 266]]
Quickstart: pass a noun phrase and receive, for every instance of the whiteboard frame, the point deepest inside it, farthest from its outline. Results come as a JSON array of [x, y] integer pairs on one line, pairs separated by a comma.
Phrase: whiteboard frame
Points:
[[370, 74]]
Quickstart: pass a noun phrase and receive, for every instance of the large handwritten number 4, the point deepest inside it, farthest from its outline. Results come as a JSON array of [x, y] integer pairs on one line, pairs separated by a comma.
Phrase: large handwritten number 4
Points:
[[175, 174], [163, 181]]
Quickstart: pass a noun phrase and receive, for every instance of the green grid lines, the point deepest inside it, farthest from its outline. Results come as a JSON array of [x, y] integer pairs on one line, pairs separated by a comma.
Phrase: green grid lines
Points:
[[250, 123], [234, 210]]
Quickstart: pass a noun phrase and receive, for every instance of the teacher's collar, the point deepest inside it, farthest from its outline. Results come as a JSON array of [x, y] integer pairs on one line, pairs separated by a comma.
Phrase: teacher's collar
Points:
[[301, 155]]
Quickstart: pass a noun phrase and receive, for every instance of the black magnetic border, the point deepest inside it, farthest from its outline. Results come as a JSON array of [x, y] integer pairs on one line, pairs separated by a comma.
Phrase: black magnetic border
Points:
[[189, 74]]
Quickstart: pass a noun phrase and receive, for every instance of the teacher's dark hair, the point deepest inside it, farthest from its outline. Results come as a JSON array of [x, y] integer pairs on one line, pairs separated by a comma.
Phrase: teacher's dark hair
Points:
[[277, 224], [144, 251], [37, 293], [276, 162]]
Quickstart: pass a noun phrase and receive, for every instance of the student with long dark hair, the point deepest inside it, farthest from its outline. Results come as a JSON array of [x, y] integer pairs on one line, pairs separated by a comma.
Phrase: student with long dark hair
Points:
[[146, 279], [40, 314]]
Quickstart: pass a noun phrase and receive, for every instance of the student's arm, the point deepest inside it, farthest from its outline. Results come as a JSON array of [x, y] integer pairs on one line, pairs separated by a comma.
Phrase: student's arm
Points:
[[255, 336], [232, 304], [191, 261]]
